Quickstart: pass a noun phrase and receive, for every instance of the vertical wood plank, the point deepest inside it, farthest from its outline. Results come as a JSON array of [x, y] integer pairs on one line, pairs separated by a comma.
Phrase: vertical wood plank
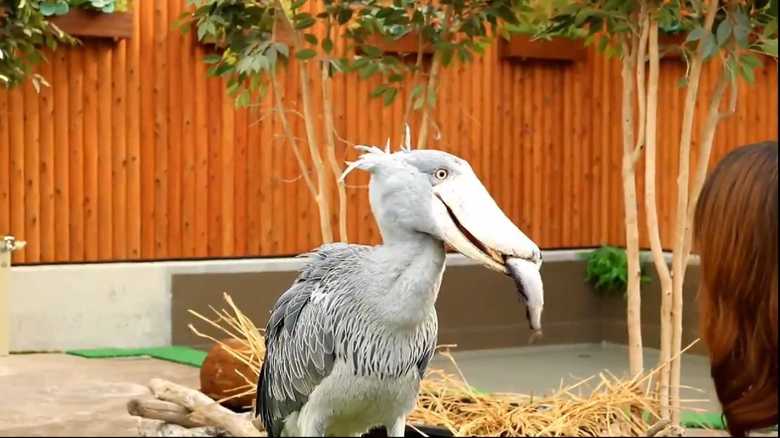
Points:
[[240, 237], [188, 179], [148, 110], [18, 205], [105, 152], [227, 173], [161, 141], [119, 137], [76, 152], [32, 182], [175, 88], [134, 97], [201, 94], [5, 165], [214, 168], [61, 156], [91, 161], [254, 177], [264, 148], [46, 168]]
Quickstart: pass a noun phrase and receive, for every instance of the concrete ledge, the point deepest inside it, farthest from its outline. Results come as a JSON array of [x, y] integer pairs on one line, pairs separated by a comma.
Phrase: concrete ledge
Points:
[[59, 307]]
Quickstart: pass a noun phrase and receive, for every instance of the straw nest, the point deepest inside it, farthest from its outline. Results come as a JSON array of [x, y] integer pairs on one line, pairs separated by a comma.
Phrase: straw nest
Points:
[[602, 405]]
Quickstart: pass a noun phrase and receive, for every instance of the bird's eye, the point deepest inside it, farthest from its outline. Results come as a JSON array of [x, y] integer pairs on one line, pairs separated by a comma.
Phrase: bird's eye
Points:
[[441, 173]]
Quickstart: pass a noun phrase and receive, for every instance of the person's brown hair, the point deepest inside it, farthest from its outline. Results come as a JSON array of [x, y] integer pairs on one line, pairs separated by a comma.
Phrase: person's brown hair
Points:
[[736, 238]]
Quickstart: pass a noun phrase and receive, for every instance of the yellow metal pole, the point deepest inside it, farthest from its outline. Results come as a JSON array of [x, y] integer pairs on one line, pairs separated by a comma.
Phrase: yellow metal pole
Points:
[[7, 246]]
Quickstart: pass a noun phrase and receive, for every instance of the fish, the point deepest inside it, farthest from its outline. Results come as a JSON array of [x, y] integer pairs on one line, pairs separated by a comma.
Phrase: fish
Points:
[[528, 280]]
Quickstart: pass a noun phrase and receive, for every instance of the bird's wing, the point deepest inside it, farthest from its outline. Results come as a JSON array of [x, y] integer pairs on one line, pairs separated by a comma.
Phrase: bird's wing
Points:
[[300, 337]]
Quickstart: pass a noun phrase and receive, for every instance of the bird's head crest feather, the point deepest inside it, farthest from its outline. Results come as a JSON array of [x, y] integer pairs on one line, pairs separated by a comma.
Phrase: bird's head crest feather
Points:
[[372, 155]]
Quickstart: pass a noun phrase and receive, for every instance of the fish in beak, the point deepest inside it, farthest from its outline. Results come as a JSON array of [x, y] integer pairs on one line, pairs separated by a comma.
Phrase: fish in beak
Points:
[[471, 222]]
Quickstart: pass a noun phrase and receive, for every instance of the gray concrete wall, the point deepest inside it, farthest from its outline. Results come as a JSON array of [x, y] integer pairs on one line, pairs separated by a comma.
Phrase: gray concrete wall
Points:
[[58, 307], [477, 308]]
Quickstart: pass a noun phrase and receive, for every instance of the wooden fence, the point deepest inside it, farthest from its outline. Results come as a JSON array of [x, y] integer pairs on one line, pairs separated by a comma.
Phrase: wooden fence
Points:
[[133, 153]]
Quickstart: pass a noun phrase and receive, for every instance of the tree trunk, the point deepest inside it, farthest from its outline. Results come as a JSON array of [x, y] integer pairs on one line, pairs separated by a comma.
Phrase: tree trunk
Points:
[[633, 311], [289, 135], [323, 196], [652, 215], [321, 192], [705, 147], [330, 147], [678, 260]]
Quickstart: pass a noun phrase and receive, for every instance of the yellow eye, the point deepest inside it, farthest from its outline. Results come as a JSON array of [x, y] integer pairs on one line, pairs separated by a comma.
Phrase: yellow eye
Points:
[[441, 173]]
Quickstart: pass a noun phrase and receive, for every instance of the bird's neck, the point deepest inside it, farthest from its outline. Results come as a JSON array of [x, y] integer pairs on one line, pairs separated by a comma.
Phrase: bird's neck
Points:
[[416, 267]]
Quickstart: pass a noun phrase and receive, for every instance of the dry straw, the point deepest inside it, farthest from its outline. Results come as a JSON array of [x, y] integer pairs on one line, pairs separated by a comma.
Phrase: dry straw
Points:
[[601, 405]]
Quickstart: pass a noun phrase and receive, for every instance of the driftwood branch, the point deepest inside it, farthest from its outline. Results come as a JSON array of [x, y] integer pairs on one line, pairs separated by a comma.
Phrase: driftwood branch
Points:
[[657, 428], [162, 410], [203, 408], [157, 428]]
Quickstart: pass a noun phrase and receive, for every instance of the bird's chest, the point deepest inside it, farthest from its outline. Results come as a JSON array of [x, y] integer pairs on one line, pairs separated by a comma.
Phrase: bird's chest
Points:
[[358, 403]]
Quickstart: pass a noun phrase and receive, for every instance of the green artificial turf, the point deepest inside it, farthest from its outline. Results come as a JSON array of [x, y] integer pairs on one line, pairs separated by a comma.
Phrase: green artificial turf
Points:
[[702, 420], [178, 354]]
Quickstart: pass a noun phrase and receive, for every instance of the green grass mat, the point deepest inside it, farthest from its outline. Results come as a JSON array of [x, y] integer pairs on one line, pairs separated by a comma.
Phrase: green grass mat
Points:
[[702, 420], [178, 354]]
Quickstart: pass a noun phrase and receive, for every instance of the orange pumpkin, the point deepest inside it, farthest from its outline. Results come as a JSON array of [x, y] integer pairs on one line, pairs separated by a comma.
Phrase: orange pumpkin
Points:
[[218, 376]]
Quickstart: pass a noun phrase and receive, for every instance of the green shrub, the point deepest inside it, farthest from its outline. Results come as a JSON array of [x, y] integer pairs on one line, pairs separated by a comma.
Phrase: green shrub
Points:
[[607, 270]]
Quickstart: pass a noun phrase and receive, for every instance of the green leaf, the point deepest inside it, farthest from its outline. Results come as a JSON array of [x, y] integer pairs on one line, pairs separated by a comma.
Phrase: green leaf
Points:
[[310, 38], [708, 46], [390, 94], [368, 70], [243, 99], [751, 60], [327, 45], [418, 103], [372, 51], [305, 54], [770, 47], [396, 77], [603, 41], [344, 15], [379, 90], [695, 35], [741, 28], [304, 22], [417, 90], [212, 59], [724, 32], [747, 73]]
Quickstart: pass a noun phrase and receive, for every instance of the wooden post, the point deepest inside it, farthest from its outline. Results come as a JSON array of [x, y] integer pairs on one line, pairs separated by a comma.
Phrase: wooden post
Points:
[[7, 245]]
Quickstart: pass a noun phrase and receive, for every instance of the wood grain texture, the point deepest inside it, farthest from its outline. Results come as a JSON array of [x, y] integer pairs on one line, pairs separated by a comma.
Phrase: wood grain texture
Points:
[[135, 153]]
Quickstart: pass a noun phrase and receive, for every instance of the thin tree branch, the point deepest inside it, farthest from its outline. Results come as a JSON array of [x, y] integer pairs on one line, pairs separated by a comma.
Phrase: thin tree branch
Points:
[[330, 142], [288, 134], [633, 302]]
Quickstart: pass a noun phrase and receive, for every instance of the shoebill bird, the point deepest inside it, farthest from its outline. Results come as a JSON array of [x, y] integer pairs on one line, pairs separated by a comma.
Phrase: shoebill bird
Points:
[[349, 341]]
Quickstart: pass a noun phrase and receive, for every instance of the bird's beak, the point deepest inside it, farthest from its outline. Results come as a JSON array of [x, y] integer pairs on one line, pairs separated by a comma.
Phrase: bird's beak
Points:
[[471, 222]]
